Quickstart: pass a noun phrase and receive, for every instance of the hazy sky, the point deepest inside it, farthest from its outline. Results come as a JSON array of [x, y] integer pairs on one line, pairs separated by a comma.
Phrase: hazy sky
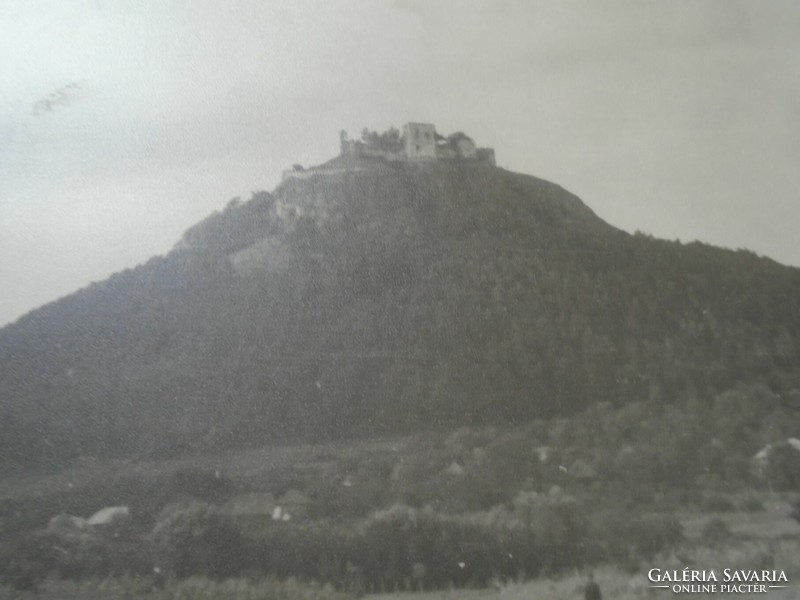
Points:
[[123, 122]]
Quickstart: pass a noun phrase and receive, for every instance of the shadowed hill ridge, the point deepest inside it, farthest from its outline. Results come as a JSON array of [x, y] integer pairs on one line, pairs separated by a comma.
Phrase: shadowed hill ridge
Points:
[[384, 300]]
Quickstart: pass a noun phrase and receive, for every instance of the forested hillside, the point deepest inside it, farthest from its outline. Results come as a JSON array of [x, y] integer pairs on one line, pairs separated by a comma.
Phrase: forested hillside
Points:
[[386, 300]]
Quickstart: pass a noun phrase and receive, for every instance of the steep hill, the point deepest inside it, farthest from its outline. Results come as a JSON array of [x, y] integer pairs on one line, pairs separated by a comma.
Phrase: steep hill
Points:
[[384, 299]]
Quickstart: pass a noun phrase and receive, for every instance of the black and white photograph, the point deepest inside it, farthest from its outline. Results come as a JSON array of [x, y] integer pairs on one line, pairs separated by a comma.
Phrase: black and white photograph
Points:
[[399, 299]]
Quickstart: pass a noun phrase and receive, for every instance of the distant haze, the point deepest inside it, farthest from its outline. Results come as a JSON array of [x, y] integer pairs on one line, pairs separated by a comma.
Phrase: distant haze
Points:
[[123, 123]]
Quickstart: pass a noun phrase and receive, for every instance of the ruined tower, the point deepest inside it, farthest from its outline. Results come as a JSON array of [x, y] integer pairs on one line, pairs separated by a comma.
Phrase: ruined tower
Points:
[[420, 141]]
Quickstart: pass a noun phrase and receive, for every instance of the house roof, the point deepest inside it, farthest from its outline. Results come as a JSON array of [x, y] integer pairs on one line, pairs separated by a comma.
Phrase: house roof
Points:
[[106, 515], [763, 454]]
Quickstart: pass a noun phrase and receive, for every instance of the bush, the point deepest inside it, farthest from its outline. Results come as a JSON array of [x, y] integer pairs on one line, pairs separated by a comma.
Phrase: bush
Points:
[[617, 534], [752, 505], [717, 503], [716, 530], [69, 550], [193, 538], [783, 470], [795, 514], [403, 547], [182, 484], [653, 533], [317, 550]]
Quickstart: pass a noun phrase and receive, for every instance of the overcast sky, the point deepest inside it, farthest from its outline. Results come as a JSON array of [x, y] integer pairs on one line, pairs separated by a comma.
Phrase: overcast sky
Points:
[[123, 122]]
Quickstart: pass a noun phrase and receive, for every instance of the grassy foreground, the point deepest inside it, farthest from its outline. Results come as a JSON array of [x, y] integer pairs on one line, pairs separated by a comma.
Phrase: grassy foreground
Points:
[[616, 584], [743, 526], [193, 588]]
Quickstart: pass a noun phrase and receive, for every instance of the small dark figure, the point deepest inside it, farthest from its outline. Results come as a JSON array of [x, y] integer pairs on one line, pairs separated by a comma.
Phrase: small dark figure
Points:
[[592, 590]]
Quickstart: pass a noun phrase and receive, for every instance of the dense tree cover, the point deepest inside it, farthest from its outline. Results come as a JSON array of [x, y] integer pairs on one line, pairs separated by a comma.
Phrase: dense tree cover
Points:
[[390, 300]]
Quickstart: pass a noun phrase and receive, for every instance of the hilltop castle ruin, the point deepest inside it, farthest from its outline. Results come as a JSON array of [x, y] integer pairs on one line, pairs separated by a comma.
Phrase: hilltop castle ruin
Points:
[[418, 143]]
